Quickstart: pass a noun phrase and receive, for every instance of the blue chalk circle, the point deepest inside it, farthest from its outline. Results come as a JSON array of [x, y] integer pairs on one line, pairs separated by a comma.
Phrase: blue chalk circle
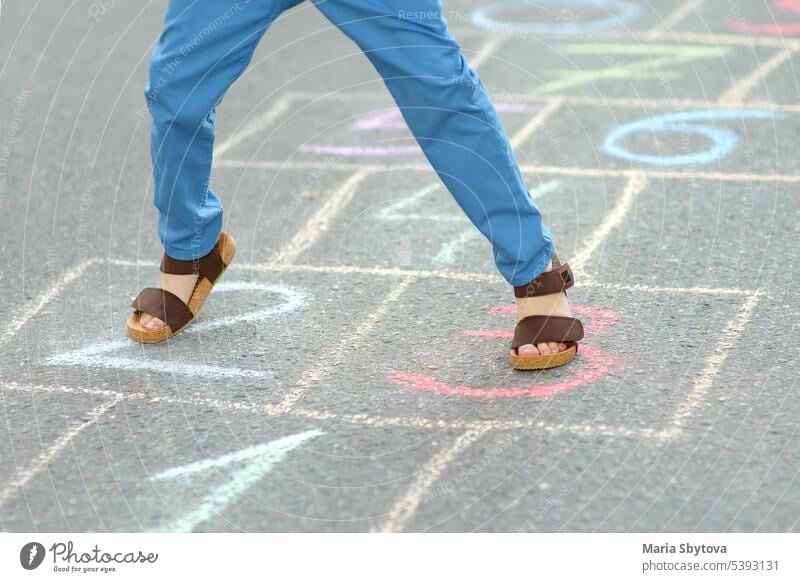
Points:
[[724, 140], [614, 14]]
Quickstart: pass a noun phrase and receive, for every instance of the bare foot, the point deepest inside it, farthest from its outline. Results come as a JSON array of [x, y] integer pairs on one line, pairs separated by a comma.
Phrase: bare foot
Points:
[[180, 285], [555, 304]]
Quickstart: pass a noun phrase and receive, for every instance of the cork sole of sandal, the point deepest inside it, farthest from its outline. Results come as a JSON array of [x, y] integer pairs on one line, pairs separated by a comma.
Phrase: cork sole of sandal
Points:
[[201, 292], [541, 362]]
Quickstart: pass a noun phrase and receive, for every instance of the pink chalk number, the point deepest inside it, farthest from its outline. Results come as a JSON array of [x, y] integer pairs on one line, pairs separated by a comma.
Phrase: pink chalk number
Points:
[[596, 363], [387, 123]]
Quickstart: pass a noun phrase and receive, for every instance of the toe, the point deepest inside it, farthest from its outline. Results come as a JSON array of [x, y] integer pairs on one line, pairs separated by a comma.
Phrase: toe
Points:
[[562, 347], [528, 350], [554, 349], [544, 348], [154, 324]]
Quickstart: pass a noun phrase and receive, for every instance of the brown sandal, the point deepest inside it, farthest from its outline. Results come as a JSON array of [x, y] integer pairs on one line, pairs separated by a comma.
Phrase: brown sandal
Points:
[[167, 306], [536, 329]]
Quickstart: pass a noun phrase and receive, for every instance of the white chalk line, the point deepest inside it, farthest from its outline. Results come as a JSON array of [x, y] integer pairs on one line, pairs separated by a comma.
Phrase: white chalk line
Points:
[[45, 457], [742, 87], [672, 35], [447, 275], [405, 507], [481, 278], [30, 311], [636, 184], [537, 121], [168, 367], [675, 18], [259, 124], [486, 50], [661, 174], [371, 421], [677, 104], [533, 169], [659, 289], [325, 360], [702, 385], [606, 103], [318, 224]]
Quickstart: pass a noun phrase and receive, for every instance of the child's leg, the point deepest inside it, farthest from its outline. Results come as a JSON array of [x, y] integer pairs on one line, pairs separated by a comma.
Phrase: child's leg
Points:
[[445, 105], [204, 47]]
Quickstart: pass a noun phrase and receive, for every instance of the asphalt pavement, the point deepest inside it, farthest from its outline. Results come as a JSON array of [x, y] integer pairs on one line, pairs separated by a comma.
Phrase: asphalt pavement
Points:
[[351, 373]]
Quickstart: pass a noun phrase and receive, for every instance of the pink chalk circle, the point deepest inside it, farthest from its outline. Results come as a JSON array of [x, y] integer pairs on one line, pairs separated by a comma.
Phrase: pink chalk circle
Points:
[[597, 364]]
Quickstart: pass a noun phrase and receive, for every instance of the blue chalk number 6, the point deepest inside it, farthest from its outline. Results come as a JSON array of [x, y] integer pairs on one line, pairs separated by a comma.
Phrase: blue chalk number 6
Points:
[[685, 122]]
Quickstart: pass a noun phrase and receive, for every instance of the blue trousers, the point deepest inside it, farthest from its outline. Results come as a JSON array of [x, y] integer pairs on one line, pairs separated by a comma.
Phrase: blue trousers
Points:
[[206, 45]]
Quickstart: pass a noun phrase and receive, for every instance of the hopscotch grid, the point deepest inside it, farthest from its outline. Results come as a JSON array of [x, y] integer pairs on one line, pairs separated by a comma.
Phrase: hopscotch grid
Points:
[[409, 277], [377, 421], [407, 505]]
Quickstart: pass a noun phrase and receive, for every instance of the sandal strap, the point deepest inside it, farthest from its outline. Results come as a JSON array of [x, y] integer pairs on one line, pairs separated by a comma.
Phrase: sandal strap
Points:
[[210, 266], [548, 283], [537, 329], [165, 306]]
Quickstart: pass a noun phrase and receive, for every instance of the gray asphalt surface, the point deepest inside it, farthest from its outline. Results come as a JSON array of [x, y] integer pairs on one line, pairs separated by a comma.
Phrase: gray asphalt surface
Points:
[[384, 332]]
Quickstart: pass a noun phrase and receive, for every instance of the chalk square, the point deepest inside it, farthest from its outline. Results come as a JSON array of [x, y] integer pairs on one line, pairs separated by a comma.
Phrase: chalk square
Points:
[[266, 207], [406, 219], [249, 342], [435, 345], [691, 233]]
